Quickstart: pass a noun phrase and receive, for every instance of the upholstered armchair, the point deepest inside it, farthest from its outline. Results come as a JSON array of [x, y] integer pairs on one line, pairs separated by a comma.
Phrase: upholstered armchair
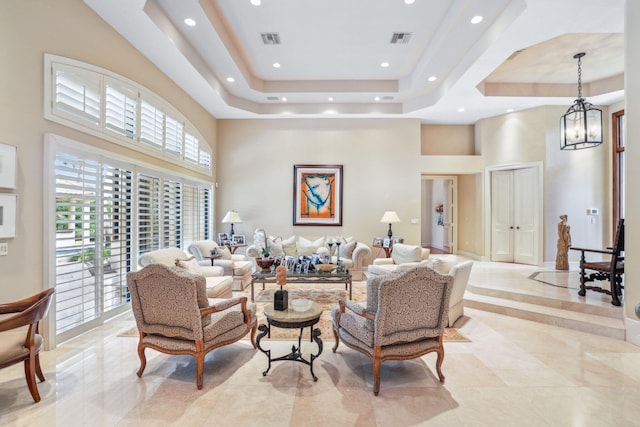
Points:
[[402, 257], [404, 318], [218, 285], [174, 315], [460, 271], [234, 265], [20, 340]]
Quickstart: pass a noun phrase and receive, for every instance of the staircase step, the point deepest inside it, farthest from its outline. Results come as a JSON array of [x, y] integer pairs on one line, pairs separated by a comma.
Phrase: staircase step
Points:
[[580, 321], [579, 305]]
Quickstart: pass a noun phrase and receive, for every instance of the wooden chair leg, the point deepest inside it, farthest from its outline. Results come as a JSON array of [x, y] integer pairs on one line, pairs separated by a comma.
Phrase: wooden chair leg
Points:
[[376, 369], [254, 328], [439, 364], [30, 374], [337, 337], [143, 359], [200, 369], [39, 369]]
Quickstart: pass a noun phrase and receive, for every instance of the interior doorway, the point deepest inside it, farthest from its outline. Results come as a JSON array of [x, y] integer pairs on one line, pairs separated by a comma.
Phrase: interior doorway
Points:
[[439, 214]]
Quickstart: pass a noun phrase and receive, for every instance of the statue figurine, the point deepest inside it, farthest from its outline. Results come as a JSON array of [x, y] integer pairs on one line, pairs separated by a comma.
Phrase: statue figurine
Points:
[[564, 242], [281, 297]]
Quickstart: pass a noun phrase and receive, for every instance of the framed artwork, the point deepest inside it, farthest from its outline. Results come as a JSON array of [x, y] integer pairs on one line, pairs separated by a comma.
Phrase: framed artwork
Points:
[[238, 239], [8, 166], [317, 194], [8, 215]]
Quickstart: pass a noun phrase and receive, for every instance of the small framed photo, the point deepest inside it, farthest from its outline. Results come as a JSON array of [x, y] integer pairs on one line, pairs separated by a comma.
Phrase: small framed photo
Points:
[[8, 215], [8, 168], [377, 241], [238, 239], [397, 240], [222, 237], [386, 243]]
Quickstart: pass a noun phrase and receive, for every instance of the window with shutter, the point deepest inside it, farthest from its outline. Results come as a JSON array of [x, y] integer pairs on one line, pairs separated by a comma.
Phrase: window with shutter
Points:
[[148, 213], [172, 213], [121, 111], [77, 95], [151, 125], [191, 148], [173, 136]]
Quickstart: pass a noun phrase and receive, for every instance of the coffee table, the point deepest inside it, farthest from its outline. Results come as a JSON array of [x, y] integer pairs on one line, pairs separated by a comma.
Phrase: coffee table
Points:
[[291, 319], [311, 277]]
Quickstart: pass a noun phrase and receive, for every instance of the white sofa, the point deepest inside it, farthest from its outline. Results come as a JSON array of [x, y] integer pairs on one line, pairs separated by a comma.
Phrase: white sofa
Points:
[[234, 265], [403, 256], [218, 285], [352, 253]]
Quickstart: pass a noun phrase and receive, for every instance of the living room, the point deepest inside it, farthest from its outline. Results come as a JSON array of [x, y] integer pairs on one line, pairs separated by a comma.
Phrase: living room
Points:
[[384, 160]]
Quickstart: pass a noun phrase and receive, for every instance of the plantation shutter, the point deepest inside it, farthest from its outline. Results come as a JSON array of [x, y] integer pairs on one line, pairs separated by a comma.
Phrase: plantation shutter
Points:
[[151, 125], [77, 94], [190, 148], [206, 208], [172, 213], [189, 214], [121, 107], [173, 137], [148, 196]]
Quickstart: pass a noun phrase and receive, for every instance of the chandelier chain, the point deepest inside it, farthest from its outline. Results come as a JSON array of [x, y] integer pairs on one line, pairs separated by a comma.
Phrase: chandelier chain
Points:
[[579, 77]]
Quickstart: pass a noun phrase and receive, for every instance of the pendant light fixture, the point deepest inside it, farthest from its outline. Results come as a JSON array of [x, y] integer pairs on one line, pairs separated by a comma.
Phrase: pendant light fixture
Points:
[[581, 126]]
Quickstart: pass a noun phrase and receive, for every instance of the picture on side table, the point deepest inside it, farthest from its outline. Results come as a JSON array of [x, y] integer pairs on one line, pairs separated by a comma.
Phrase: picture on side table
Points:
[[317, 194], [377, 241], [238, 239], [222, 237]]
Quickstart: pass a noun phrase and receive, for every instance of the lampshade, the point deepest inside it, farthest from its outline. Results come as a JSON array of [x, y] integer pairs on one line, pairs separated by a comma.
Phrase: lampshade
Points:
[[390, 217], [581, 125], [232, 217]]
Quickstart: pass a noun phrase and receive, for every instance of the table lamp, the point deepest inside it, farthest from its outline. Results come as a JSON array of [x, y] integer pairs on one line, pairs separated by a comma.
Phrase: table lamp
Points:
[[232, 217], [390, 217]]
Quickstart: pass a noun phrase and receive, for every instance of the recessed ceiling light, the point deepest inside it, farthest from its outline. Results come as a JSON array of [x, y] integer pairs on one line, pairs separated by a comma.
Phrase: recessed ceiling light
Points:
[[476, 19], [460, 110], [331, 98], [276, 65], [409, 1], [384, 64], [509, 110], [190, 22], [256, 2], [432, 78], [231, 79], [377, 98], [284, 99]]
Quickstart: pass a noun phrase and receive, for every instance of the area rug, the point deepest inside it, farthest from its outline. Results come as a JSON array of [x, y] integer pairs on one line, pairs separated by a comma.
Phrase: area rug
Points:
[[325, 294]]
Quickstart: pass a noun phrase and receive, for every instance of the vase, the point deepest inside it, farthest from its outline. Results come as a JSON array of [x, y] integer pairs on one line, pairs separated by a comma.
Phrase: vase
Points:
[[265, 264]]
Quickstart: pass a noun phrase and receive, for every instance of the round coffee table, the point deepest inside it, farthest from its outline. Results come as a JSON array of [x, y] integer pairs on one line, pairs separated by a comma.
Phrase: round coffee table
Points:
[[290, 319]]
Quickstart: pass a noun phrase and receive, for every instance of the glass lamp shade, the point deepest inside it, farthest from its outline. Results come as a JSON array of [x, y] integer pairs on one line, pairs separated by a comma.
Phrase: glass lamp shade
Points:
[[581, 126]]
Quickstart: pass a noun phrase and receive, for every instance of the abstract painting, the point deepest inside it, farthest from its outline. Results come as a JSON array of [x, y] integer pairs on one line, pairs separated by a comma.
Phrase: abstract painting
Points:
[[317, 195]]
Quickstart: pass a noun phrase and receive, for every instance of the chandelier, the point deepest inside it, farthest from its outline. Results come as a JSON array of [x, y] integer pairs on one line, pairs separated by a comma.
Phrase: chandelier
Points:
[[581, 125]]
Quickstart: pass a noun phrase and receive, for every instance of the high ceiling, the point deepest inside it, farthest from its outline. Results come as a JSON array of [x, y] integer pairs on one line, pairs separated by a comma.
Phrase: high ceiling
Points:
[[331, 54]]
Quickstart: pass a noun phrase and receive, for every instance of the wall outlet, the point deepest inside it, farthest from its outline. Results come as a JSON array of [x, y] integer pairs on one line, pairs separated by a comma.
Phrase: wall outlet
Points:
[[4, 248]]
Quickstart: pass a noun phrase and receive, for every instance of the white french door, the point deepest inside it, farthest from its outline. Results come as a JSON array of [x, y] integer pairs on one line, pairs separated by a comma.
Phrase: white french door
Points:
[[515, 196]]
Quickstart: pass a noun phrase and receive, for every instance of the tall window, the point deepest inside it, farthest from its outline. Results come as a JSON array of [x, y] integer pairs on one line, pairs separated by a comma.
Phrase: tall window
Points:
[[618, 122], [108, 212]]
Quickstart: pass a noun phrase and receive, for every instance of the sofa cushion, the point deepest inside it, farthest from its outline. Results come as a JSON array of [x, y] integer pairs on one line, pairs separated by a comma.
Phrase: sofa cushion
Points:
[[275, 246], [219, 287], [346, 250], [440, 265], [190, 264], [165, 256], [406, 253], [289, 246], [309, 247]]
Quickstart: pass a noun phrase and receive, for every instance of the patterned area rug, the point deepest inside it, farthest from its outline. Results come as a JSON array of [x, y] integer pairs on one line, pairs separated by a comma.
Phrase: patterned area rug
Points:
[[325, 294]]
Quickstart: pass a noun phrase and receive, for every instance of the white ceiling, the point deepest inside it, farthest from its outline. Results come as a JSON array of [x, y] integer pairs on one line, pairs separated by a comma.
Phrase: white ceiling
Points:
[[520, 55]]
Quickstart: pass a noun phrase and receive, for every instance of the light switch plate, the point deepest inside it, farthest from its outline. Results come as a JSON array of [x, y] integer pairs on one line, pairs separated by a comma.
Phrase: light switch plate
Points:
[[4, 248]]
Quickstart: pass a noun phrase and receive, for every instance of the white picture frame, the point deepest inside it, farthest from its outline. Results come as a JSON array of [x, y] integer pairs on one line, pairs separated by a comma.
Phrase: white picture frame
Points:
[[8, 204], [8, 169]]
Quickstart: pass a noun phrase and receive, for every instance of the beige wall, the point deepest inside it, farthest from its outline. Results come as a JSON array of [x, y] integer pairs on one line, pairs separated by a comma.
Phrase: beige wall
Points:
[[470, 214], [380, 160], [438, 140], [28, 29]]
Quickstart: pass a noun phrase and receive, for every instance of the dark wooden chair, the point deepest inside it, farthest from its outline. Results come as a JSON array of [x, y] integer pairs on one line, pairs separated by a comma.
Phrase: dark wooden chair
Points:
[[19, 337], [611, 270]]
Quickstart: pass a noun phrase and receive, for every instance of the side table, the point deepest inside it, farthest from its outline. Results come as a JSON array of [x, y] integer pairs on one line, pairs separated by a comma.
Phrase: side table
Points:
[[291, 319]]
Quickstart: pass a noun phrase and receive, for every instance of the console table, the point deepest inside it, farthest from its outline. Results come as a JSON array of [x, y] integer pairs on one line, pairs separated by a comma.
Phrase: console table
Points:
[[311, 277]]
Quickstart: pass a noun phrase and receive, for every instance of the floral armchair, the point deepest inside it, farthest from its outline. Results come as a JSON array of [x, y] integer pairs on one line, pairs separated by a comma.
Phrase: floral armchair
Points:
[[404, 318], [174, 315]]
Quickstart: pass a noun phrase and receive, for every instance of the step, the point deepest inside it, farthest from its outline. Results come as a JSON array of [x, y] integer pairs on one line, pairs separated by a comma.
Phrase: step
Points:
[[580, 305], [580, 321]]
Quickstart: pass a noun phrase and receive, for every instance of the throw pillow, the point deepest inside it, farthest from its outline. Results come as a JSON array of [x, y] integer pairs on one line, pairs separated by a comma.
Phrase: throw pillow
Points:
[[406, 253], [275, 246], [346, 249], [189, 264], [440, 265], [309, 247], [224, 252], [289, 246]]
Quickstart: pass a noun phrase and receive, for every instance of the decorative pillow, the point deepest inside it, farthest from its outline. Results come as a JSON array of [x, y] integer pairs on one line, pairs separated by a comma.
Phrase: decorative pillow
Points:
[[275, 246], [346, 249], [440, 265], [289, 246], [189, 264], [224, 252], [308, 247], [406, 253]]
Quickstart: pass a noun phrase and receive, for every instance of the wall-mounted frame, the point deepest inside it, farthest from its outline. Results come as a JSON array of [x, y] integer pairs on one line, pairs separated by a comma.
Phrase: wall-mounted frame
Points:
[[317, 194], [8, 204], [8, 169]]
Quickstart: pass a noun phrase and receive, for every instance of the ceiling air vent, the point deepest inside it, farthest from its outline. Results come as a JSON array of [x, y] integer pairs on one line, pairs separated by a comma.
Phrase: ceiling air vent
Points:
[[272, 98], [270, 38], [400, 38], [387, 98]]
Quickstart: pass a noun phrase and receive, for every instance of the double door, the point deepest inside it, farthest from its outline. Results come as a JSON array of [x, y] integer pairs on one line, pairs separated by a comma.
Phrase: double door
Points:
[[515, 198]]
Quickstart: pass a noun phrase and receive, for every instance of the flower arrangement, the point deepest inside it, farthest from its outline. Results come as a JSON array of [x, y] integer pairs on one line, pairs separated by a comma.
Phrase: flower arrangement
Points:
[[439, 208]]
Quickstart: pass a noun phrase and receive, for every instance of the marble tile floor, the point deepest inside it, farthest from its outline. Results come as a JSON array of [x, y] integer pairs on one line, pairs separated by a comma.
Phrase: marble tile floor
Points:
[[514, 372]]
